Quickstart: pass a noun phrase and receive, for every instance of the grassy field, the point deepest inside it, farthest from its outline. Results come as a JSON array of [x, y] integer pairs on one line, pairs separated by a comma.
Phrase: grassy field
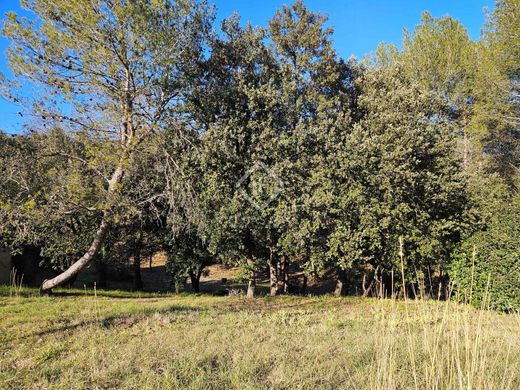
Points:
[[113, 339]]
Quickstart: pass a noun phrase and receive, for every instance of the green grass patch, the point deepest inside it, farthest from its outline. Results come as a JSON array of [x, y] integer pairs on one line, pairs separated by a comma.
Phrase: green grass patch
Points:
[[78, 339]]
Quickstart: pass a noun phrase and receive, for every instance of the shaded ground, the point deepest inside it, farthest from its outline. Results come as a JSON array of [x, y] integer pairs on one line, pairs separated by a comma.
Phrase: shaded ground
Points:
[[218, 279]]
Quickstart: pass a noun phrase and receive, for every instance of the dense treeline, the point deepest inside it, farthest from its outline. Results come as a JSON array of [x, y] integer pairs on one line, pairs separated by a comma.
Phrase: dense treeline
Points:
[[152, 129]]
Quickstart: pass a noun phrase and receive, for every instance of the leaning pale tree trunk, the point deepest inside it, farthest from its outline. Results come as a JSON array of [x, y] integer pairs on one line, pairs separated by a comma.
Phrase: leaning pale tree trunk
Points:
[[96, 243], [127, 140]]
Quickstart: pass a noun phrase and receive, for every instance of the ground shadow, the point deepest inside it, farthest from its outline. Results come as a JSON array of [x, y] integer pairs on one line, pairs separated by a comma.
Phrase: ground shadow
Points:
[[124, 321]]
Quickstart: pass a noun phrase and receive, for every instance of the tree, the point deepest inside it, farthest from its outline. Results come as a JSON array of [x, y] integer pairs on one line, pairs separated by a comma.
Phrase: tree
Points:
[[481, 81], [486, 266], [315, 94], [188, 257], [398, 183], [439, 57], [498, 90], [113, 69], [48, 194], [477, 80], [231, 106]]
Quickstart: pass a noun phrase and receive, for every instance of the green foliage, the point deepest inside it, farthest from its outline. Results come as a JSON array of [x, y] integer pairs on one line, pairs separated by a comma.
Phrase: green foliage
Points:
[[231, 106], [316, 95], [486, 267], [478, 83], [187, 258], [437, 56], [109, 76], [498, 89], [50, 195], [399, 177], [261, 146]]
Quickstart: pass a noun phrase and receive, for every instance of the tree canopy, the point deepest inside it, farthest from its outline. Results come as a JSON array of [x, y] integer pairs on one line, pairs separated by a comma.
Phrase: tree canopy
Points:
[[260, 147]]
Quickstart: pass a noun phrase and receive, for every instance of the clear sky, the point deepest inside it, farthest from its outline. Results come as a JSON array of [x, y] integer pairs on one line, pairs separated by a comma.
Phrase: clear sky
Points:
[[359, 26]]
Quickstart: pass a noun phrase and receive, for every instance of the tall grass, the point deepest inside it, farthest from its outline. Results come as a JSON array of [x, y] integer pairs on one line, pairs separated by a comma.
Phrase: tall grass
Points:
[[15, 283], [444, 346]]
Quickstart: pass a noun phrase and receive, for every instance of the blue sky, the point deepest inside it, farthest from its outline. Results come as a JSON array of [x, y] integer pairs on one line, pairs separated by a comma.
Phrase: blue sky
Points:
[[359, 26]]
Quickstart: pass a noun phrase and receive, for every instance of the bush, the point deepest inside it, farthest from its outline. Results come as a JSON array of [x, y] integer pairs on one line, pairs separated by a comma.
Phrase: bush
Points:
[[486, 268]]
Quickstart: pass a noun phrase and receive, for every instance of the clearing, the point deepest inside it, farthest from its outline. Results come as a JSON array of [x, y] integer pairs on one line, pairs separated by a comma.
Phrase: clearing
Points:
[[113, 339]]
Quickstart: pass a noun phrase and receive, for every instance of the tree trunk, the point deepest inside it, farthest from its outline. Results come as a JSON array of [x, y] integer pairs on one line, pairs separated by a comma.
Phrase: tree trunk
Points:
[[282, 276], [303, 289], [96, 243], [285, 276], [137, 280], [341, 283], [74, 269], [368, 289], [195, 281], [251, 286], [273, 279], [339, 288], [101, 269], [178, 285], [401, 256]]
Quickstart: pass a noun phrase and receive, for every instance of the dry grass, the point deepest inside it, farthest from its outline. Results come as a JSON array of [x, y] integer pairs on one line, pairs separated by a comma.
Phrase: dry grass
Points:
[[123, 340]]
